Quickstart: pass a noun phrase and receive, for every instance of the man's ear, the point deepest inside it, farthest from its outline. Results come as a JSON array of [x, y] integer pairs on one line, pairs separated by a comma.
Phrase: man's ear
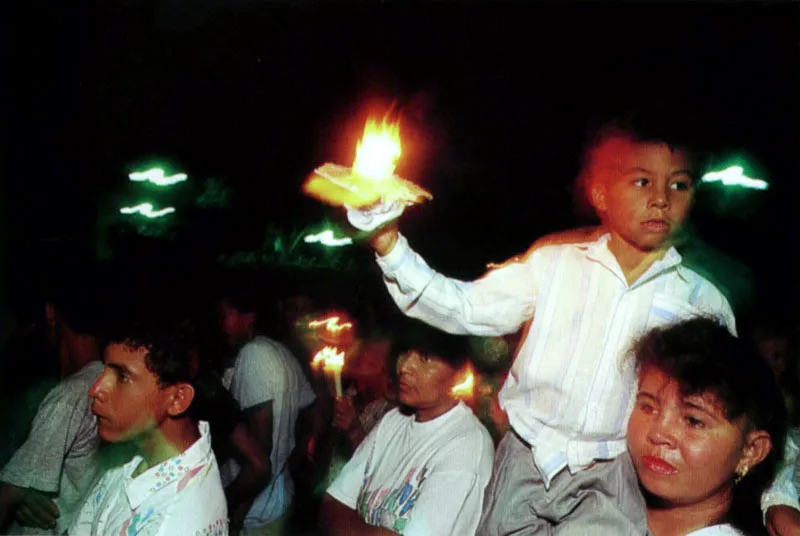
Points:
[[182, 397], [758, 445], [597, 195]]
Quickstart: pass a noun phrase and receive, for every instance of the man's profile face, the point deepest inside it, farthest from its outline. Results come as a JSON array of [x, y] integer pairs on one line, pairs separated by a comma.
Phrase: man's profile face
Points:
[[127, 399], [235, 324]]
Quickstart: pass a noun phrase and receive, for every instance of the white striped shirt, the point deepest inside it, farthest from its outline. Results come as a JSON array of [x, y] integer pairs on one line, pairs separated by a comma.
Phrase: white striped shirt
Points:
[[569, 391]]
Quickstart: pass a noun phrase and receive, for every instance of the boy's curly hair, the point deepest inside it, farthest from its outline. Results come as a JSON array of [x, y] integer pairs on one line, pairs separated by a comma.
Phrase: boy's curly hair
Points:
[[172, 352]]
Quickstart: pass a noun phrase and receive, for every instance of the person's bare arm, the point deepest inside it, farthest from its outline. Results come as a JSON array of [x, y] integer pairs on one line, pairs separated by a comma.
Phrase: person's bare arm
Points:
[[783, 521], [252, 444], [30, 507], [9, 498], [337, 519]]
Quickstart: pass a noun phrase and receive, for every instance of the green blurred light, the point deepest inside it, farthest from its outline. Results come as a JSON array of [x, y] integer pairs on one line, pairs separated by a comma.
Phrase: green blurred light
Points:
[[326, 238], [734, 176], [146, 210], [157, 177]]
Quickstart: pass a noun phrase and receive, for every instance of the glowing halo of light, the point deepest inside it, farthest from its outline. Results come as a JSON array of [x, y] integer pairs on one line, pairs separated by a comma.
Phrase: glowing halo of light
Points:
[[146, 210], [331, 324], [327, 238], [157, 176], [734, 176]]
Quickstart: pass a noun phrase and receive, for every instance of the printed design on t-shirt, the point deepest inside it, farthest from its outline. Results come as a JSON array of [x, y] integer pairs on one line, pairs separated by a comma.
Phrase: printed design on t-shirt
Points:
[[390, 508], [188, 476], [217, 528], [134, 525], [167, 472]]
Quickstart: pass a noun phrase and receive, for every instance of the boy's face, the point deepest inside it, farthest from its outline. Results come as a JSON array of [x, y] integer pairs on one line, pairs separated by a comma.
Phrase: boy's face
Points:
[[642, 191], [127, 399]]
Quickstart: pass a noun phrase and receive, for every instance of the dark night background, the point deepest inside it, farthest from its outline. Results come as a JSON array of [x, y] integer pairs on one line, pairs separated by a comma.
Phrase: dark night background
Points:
[[495, 96]]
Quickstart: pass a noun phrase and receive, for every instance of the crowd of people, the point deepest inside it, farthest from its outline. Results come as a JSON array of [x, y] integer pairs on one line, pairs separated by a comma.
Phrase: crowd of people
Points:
[[631, 401]]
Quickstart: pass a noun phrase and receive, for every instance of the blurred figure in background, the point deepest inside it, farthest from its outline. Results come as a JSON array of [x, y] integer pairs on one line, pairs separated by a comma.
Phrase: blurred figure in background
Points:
[[45, 481], [268, 383]]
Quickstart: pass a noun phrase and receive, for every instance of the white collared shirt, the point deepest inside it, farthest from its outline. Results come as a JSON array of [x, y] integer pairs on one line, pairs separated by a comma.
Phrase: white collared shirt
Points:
[[181, 495], [569, 391]]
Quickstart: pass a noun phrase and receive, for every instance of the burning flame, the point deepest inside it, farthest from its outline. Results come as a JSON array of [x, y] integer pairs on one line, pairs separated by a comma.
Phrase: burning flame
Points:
[[465, 386], [325, 355], [334, 361], [331, 324], [378, 151]]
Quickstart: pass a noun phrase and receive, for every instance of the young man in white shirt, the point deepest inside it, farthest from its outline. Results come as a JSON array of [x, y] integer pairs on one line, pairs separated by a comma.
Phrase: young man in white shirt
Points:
[[268, 383], [569, 393], [172, 485]]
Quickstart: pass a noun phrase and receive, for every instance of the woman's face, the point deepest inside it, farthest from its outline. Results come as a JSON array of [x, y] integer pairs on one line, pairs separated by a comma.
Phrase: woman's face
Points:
[[684, 448], [424, 384]]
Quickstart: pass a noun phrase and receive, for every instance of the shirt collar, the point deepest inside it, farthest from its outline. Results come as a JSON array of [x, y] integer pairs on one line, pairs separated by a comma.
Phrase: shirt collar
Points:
[[170, 473], [598, 251]]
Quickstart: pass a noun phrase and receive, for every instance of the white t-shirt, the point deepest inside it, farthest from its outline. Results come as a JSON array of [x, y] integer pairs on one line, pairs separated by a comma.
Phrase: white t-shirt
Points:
[[717, 530], [181, 495], [266, 371], [423, 479], [60, 454]]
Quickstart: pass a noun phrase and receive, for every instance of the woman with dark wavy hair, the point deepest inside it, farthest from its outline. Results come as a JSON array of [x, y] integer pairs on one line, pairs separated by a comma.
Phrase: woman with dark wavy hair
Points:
[[706, 430]]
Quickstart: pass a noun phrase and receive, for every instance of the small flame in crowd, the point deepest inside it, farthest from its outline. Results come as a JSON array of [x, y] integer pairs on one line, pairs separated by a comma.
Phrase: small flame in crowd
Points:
[[378, 151], [331, 324], [465, 387], [328, 353], [334, 361]]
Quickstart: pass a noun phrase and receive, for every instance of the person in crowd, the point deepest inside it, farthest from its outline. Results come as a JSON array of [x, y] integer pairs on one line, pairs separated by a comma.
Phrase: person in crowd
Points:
[[706, 430], [268, 384], [423, 468], [43, 484], [566, 400], [780, 503], [172, 484]]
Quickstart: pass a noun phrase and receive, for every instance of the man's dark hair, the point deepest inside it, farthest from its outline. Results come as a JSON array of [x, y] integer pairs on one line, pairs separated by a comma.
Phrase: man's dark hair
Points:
[[410, 334], [172, 353], [702, 356], [253, 292]]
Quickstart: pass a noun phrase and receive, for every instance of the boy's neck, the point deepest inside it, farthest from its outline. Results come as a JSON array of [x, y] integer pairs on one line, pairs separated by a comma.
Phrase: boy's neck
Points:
[[170, 439], [633, 261], [679, 520]]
